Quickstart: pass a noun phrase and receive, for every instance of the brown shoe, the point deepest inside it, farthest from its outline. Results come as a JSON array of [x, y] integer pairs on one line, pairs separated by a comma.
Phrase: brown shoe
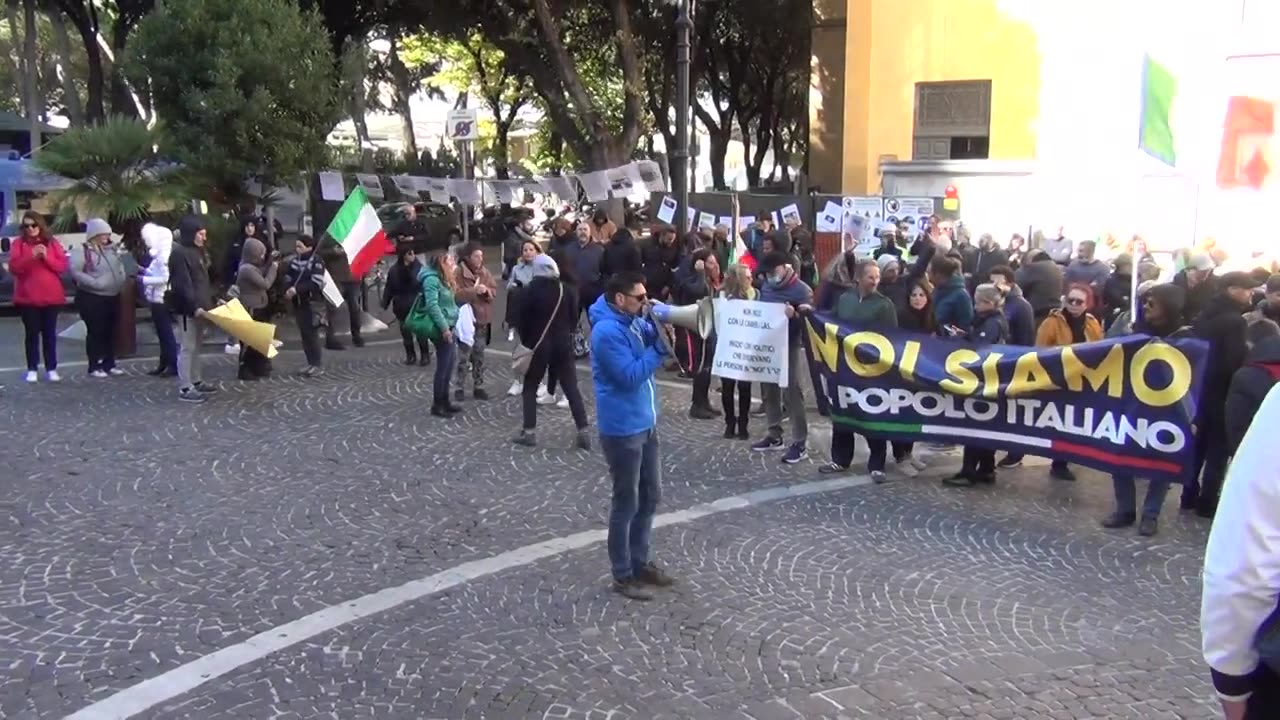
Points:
[[631, 588], [653, 575]]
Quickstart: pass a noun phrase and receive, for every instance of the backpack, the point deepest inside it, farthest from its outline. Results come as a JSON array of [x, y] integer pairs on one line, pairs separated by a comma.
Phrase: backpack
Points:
[[419, 322]]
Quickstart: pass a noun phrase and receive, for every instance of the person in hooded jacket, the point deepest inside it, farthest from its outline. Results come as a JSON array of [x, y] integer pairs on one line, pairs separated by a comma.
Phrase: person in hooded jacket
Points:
[[99, 276], [1200, 283], [304, 289], [548, 316], [1162, 312], [952, 307], [561, 235], [989, 328], [661, 257], [229, 271], [1251, 383], [255, 277], [1222, 324], [155, 283], [190, 297], [37, 261], [1041, 281], [699, 280], [401, 290]]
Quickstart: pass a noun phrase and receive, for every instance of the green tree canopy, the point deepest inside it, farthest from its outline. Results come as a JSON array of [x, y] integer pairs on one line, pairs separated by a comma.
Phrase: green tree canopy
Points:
[[246, 87]]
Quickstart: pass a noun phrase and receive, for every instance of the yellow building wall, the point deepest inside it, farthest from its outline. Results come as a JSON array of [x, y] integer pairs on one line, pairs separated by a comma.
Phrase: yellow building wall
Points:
[[891, 45]]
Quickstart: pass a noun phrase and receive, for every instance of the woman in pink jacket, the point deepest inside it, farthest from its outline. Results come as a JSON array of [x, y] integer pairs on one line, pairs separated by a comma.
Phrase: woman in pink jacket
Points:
[[37, 262]]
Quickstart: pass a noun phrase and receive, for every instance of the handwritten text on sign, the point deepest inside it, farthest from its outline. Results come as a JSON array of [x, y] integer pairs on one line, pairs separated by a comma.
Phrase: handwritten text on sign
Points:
[[751, 341]]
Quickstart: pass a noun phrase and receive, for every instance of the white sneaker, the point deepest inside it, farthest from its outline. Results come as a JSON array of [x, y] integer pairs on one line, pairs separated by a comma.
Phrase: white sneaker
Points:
[[231, 348], [516, 388], [115, 372], [545, 398], [100, 374], [563, 403], [53, 376], [31, 376], [277, 343]]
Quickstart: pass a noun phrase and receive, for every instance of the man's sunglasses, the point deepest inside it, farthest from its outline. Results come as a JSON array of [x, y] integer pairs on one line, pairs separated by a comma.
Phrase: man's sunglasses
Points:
[[642, 297]]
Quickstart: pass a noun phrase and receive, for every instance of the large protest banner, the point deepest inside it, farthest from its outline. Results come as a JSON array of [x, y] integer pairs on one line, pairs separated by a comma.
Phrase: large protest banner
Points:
[[1125, 405], [751, 341]]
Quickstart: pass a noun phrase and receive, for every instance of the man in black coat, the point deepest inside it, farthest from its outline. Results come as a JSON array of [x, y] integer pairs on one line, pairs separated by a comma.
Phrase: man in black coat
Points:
[[1222, 324], [986, 258], [1200, 284], [622, 255], [1251, 383], [661, 256]]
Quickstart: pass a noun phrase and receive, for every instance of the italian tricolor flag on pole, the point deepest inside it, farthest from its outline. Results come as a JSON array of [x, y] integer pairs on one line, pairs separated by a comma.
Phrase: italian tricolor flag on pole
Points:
[[358, 230]]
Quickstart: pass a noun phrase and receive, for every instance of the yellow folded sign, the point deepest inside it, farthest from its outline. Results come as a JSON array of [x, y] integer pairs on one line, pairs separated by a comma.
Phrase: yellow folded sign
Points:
[[233, 319]]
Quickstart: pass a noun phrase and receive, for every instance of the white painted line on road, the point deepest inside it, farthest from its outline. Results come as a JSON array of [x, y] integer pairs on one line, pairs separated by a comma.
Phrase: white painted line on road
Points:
[[185, 678]]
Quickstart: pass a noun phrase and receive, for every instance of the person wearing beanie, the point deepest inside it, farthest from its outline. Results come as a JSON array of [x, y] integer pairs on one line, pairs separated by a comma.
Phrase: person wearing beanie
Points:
[[304, 289], [1223, 326], [190, 298], [99, 275], [255, 276], [155, 284], [892, 284], [1197, 279]]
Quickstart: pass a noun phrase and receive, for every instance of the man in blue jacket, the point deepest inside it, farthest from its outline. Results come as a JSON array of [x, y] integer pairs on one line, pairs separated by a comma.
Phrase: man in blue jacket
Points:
[[625, 354]]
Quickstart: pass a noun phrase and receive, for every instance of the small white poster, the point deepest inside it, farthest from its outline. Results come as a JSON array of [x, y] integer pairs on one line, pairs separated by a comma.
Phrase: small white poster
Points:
[[745, 222], [828, 219], [691, 217], [724, 220], [406, 185], [467, 191], [667, 210], [562, 186], [625, 181], [913, 210], [871, 208], [751, 341], [596, 185], [706, 220], [372, 185], [332, 187], [651, 174], [791, 215]]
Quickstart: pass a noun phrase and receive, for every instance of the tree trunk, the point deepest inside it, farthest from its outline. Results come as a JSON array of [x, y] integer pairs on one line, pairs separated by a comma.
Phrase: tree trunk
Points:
[[403, 91], [719, 149], [122, 102], [71, 95], [356, 65], [501, 150], [555, 144], [31, 80], [94, 110]]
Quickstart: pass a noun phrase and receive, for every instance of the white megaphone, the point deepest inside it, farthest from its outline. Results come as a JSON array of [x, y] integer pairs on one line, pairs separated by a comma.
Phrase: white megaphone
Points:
[[699, 317]]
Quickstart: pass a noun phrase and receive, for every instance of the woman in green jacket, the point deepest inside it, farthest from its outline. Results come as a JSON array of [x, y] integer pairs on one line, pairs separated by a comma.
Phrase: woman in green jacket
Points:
[[438, 286]]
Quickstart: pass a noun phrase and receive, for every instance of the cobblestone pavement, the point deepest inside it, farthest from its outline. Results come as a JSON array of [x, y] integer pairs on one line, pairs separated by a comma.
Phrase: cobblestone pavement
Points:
[[139, 535]]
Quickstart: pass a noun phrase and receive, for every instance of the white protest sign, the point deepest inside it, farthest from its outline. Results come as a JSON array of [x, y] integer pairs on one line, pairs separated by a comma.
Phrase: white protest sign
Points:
[[751, 341]]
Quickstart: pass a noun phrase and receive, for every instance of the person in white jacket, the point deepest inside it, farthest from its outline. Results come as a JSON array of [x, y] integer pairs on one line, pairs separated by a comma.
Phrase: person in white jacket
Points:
[[1242, 576], [155, 282]]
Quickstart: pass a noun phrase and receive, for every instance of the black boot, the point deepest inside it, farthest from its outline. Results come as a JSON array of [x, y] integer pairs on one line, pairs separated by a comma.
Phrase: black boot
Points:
[[441, 409], [160, 370], [410, 357], [742, 429], [730, 428], [424, 354]]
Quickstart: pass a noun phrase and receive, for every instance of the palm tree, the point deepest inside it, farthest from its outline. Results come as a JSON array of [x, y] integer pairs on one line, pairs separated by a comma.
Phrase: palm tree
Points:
[[116, 173]]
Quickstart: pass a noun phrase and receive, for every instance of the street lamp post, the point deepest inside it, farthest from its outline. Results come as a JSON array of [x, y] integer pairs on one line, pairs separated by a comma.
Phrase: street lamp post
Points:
[[680, 173]]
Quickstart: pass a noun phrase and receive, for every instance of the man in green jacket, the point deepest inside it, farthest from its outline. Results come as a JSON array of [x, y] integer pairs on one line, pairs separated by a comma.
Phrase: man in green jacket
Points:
[[863, 307]]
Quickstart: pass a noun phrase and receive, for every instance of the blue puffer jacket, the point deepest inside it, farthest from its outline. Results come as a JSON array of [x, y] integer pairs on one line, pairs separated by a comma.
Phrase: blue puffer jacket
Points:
[[952, 305], [624, 356]]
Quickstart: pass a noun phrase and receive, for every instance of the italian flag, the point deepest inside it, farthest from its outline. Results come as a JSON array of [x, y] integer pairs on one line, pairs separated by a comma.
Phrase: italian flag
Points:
[[739, 255], [1023, 443], [358, 230]]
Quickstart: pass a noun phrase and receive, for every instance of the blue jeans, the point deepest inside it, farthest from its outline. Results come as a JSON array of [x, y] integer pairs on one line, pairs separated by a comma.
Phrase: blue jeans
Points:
[[163, 320], [1127, 496], [446, 361], [637, 477]]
